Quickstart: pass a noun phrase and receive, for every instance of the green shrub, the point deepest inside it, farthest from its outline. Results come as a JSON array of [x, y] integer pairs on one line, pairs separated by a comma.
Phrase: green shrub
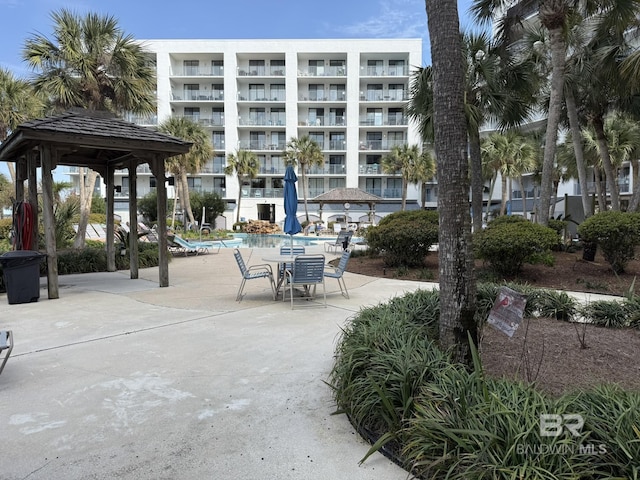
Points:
[[606, 313], [5, 227], [507, 244], [404, 238], [94, 259], [616, 233]]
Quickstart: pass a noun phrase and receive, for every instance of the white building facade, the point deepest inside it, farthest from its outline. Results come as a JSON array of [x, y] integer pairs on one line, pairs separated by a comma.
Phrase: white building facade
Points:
[[347, 94]]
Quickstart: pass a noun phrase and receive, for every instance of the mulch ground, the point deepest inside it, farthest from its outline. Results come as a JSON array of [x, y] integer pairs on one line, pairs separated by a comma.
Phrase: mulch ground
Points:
[[557, 356]]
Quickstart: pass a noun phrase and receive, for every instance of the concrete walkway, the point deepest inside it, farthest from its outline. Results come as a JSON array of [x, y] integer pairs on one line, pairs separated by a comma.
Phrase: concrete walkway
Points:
[[121, 378]]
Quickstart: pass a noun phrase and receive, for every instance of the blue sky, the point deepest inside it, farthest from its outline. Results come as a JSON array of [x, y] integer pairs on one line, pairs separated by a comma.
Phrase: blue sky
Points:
[[150, 19]]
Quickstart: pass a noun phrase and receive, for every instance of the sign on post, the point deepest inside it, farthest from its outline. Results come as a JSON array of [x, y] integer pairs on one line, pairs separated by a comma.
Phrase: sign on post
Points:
[[507, 311]]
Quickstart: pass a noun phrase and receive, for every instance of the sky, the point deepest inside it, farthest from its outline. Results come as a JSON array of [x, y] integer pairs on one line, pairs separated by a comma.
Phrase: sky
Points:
[[220, 19]]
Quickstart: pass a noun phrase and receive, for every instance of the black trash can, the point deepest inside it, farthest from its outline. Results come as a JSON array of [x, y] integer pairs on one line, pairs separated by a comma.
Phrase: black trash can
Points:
[[21, 270]]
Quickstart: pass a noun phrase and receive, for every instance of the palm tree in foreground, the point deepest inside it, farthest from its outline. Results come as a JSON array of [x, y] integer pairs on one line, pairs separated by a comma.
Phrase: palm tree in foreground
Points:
[[457, 327], [90, 63], [244, 164], [305, 153], [191, 162]]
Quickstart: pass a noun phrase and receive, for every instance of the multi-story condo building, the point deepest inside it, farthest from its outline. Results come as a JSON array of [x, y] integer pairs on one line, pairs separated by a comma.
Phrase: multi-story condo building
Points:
[[347, 95]]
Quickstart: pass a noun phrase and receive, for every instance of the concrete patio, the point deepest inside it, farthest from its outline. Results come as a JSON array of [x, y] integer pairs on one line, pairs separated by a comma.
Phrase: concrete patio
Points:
[[121, 378]]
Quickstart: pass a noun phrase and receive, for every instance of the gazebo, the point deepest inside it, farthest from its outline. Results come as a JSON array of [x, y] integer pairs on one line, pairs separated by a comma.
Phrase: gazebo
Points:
[[104, 143], [346, 197]]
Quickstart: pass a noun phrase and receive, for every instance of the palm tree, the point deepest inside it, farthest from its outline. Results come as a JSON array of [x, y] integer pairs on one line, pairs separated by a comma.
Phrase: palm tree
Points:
[[403, 160], [244, 164], [496, 88], [305, 153], [189, 163], [18, 103], [457, 326], [423, 171], [90, 63]]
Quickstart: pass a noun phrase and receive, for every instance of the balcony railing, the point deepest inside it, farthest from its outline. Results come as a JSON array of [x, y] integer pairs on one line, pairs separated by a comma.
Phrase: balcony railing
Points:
[[322, 71], [369, 168], [380, 121], [262, 96], [380, 144], [392, 193], [399, 71], [262, 120], [335, 169], [199, 72], [384, 96], [331, 121], [262, 192], [262, 71], [322, 96], [197, 95], [261, 145], [215, 121], [272, 170]]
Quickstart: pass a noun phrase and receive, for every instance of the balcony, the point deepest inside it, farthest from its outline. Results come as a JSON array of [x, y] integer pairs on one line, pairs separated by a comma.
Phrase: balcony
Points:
[[215, 121], [262, 71], [392, 193], [261, 145], [262, 192], [322, 71], [322, 96], [394, 71], [261, 96], [330, 121], [141, 119], [216, 71], [369, 169], [383, 120], [334, 169], [272, 169], [380, 144], [197, 95], [384, 96], [262, 120]]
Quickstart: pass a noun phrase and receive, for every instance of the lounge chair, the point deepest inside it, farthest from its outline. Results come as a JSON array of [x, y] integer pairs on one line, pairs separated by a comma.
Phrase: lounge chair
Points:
[[252, 272], [342, 242], [337, 272], [307, 270], [6, 345], [181, 246]]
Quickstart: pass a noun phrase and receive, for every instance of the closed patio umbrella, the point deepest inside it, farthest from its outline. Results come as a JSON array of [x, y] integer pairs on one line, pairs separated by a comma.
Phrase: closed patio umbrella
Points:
[[291, 223]]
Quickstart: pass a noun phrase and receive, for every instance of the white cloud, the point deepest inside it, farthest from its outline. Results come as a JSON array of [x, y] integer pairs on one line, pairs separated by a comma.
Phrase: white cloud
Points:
[[393, 19]]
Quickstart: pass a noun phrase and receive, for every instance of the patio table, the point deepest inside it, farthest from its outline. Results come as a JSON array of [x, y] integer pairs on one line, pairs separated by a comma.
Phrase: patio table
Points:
[[280, 259]]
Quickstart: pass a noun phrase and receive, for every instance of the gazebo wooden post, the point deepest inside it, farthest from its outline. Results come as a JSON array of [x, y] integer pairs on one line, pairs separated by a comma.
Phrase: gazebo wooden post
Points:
[[21, 173], [133, 218], [48, 164], [32, 177], [157, 167], [111, 251]]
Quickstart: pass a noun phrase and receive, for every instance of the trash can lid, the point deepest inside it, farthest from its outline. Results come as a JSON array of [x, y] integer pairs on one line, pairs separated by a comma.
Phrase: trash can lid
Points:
[[21, 254]]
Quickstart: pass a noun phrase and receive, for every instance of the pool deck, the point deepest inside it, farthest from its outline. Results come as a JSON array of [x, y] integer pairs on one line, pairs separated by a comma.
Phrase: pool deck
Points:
[[121, 378]]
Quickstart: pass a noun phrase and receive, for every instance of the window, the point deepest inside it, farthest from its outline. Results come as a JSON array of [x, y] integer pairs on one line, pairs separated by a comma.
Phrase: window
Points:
[[192, 113], [396, 67], [277, 92], [278, 116], [374, 67], [337, 92], [316, 186], [256, 67], [337, 116], [217, 67], [257, 116], [373, 186], [374, 116], [218, 163], [277, 67], [316, 116], [396, 117], [337, 67], [317, 137], [394, 188], [217, 91], [217, 139], [395, 139], [257, 140], [153, 182], [278, 140], [316, 91], [316, 67], [217, 116], [336, 165], [337, 141], [337, 183], [191, 91], [374, 140], [374, 92], [194, 183], [396, 91], [191, 67], [256, 91]]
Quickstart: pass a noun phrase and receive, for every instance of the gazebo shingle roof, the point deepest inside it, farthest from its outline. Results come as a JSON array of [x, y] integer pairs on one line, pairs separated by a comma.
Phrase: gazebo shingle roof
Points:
[[350, 195]]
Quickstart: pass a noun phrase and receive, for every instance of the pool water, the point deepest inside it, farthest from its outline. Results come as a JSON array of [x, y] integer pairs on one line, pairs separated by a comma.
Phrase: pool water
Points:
[[253, 240]]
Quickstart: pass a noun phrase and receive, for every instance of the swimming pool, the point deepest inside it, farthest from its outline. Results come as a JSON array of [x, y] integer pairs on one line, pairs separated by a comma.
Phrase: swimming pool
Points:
[[253, 240]]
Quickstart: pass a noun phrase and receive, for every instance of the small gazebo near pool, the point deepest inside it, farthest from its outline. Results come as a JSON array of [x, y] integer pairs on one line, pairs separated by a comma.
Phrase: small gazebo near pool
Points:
[[348, 197], [104, 143]]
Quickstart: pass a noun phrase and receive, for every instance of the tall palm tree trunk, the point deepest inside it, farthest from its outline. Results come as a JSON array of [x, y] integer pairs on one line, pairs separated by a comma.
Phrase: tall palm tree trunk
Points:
[[492, 187], [303, 175], [503, 203], [635, 199], [87, 184], [457, 326], [185, 196], [611, 177], [578, 151], [602, 201], [404, 193], [558, 61], [239, 198]]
